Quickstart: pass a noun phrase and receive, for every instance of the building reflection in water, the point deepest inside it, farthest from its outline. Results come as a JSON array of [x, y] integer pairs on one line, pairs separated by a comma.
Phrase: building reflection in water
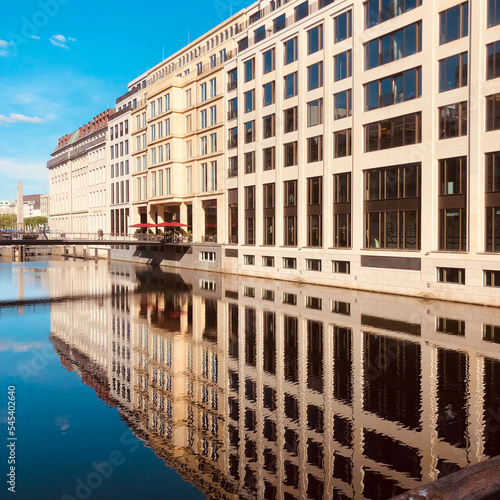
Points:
[[268, 390]]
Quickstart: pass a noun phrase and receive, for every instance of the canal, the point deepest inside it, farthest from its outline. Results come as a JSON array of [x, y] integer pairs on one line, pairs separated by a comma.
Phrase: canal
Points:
[[133, 382]]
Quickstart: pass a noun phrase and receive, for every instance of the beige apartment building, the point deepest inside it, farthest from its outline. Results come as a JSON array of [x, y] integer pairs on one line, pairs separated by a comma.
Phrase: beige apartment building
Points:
[[178, 137], [78, 184]]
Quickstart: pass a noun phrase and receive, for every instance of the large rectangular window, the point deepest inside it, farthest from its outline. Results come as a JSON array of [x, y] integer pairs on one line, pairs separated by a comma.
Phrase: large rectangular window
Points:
[[394, 89], [493, 112], [315, 149], [492, 199], [453, 120], [290, 154], [493, 60], [394, 132], [249, 100], [342, 210], [454, 23], [379, 11], [315, 39], [269, 213], [249, 159], [268, 61], [250, 215], [343, 26], [493, 13], [268, 92], [393, 46], [315, 113], [301, 11], [269, 158], [342, 143], [315, 76], [453, 72], [290, 119], [290, 47], [314, 211], [452, 204], [342, 65], [394, 223], [268, 126], [342, 104], [249, 132], [290, 212], [291, 87], [249, 70]]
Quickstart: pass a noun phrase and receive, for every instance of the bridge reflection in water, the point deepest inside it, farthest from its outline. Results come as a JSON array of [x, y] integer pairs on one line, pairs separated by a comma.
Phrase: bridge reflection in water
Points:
[[258, 389]]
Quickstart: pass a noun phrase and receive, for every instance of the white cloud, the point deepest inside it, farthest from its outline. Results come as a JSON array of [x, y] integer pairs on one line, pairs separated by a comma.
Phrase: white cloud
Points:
[[15, 118], [18, 169], [61, 41], [34, 37], [5, 48]]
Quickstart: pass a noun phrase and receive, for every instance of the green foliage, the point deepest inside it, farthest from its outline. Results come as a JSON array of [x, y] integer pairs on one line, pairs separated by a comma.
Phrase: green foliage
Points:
[[8, 221], [35, 221]]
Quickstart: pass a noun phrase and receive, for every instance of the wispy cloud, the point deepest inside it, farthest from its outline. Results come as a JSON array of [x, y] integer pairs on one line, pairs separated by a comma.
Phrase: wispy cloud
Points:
[[5, 48], [19, 169], [61, 41], [15, 118], [34, 37]]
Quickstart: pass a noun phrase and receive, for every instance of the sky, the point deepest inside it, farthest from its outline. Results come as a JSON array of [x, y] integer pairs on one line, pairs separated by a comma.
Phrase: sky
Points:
[[64, 61]]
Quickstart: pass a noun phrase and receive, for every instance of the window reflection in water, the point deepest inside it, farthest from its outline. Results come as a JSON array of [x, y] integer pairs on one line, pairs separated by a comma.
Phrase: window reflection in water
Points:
[[242, 395]]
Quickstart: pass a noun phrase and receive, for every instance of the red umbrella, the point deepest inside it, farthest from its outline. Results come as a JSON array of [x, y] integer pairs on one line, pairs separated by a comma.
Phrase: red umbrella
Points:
[[171, 224], [143, 225]]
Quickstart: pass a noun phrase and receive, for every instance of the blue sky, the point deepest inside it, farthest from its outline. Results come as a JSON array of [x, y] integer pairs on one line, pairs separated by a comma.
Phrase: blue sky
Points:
[[64, 61]]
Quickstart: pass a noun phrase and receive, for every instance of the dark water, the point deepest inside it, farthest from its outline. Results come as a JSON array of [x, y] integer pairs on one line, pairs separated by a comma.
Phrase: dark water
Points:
[[140, 383]]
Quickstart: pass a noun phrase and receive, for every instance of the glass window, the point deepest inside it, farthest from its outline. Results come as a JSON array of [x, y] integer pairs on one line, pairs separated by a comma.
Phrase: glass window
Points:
[[453, 120], [290, 119], [290, 154], [268, 126], [342, 64], [268, 59], [342, 143], [315, 39], [315, 76], [453, 72], [315, 149], [290, 85], [268, 91], [454, 23], [260, 34], [342, 25], [493, 112], [301, 11], [268, 158], [342, 104], [393, 133], [279, 23], [249, 159], [290, 50], [394, 46], [249, 132], [379, 11], [493, 60], [493, 13], [249, 98], [315, 112], [249, 70]]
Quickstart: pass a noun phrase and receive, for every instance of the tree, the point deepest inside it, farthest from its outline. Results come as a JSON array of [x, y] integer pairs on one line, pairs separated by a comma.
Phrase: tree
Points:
[[8, 221]]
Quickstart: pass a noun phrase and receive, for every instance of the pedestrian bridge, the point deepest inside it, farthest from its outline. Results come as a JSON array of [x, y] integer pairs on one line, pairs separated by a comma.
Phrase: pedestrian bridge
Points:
[[84, 242]]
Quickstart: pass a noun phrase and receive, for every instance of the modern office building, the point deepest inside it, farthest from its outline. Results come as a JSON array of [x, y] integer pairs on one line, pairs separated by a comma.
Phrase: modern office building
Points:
[[348, 143], [78, 179]]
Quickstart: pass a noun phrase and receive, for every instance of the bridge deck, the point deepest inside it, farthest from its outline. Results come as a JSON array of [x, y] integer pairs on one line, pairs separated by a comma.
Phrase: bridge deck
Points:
[[45, 243]]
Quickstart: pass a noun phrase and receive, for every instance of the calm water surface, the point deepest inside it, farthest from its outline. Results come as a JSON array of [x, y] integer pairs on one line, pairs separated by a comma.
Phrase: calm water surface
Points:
[[141, 383]]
